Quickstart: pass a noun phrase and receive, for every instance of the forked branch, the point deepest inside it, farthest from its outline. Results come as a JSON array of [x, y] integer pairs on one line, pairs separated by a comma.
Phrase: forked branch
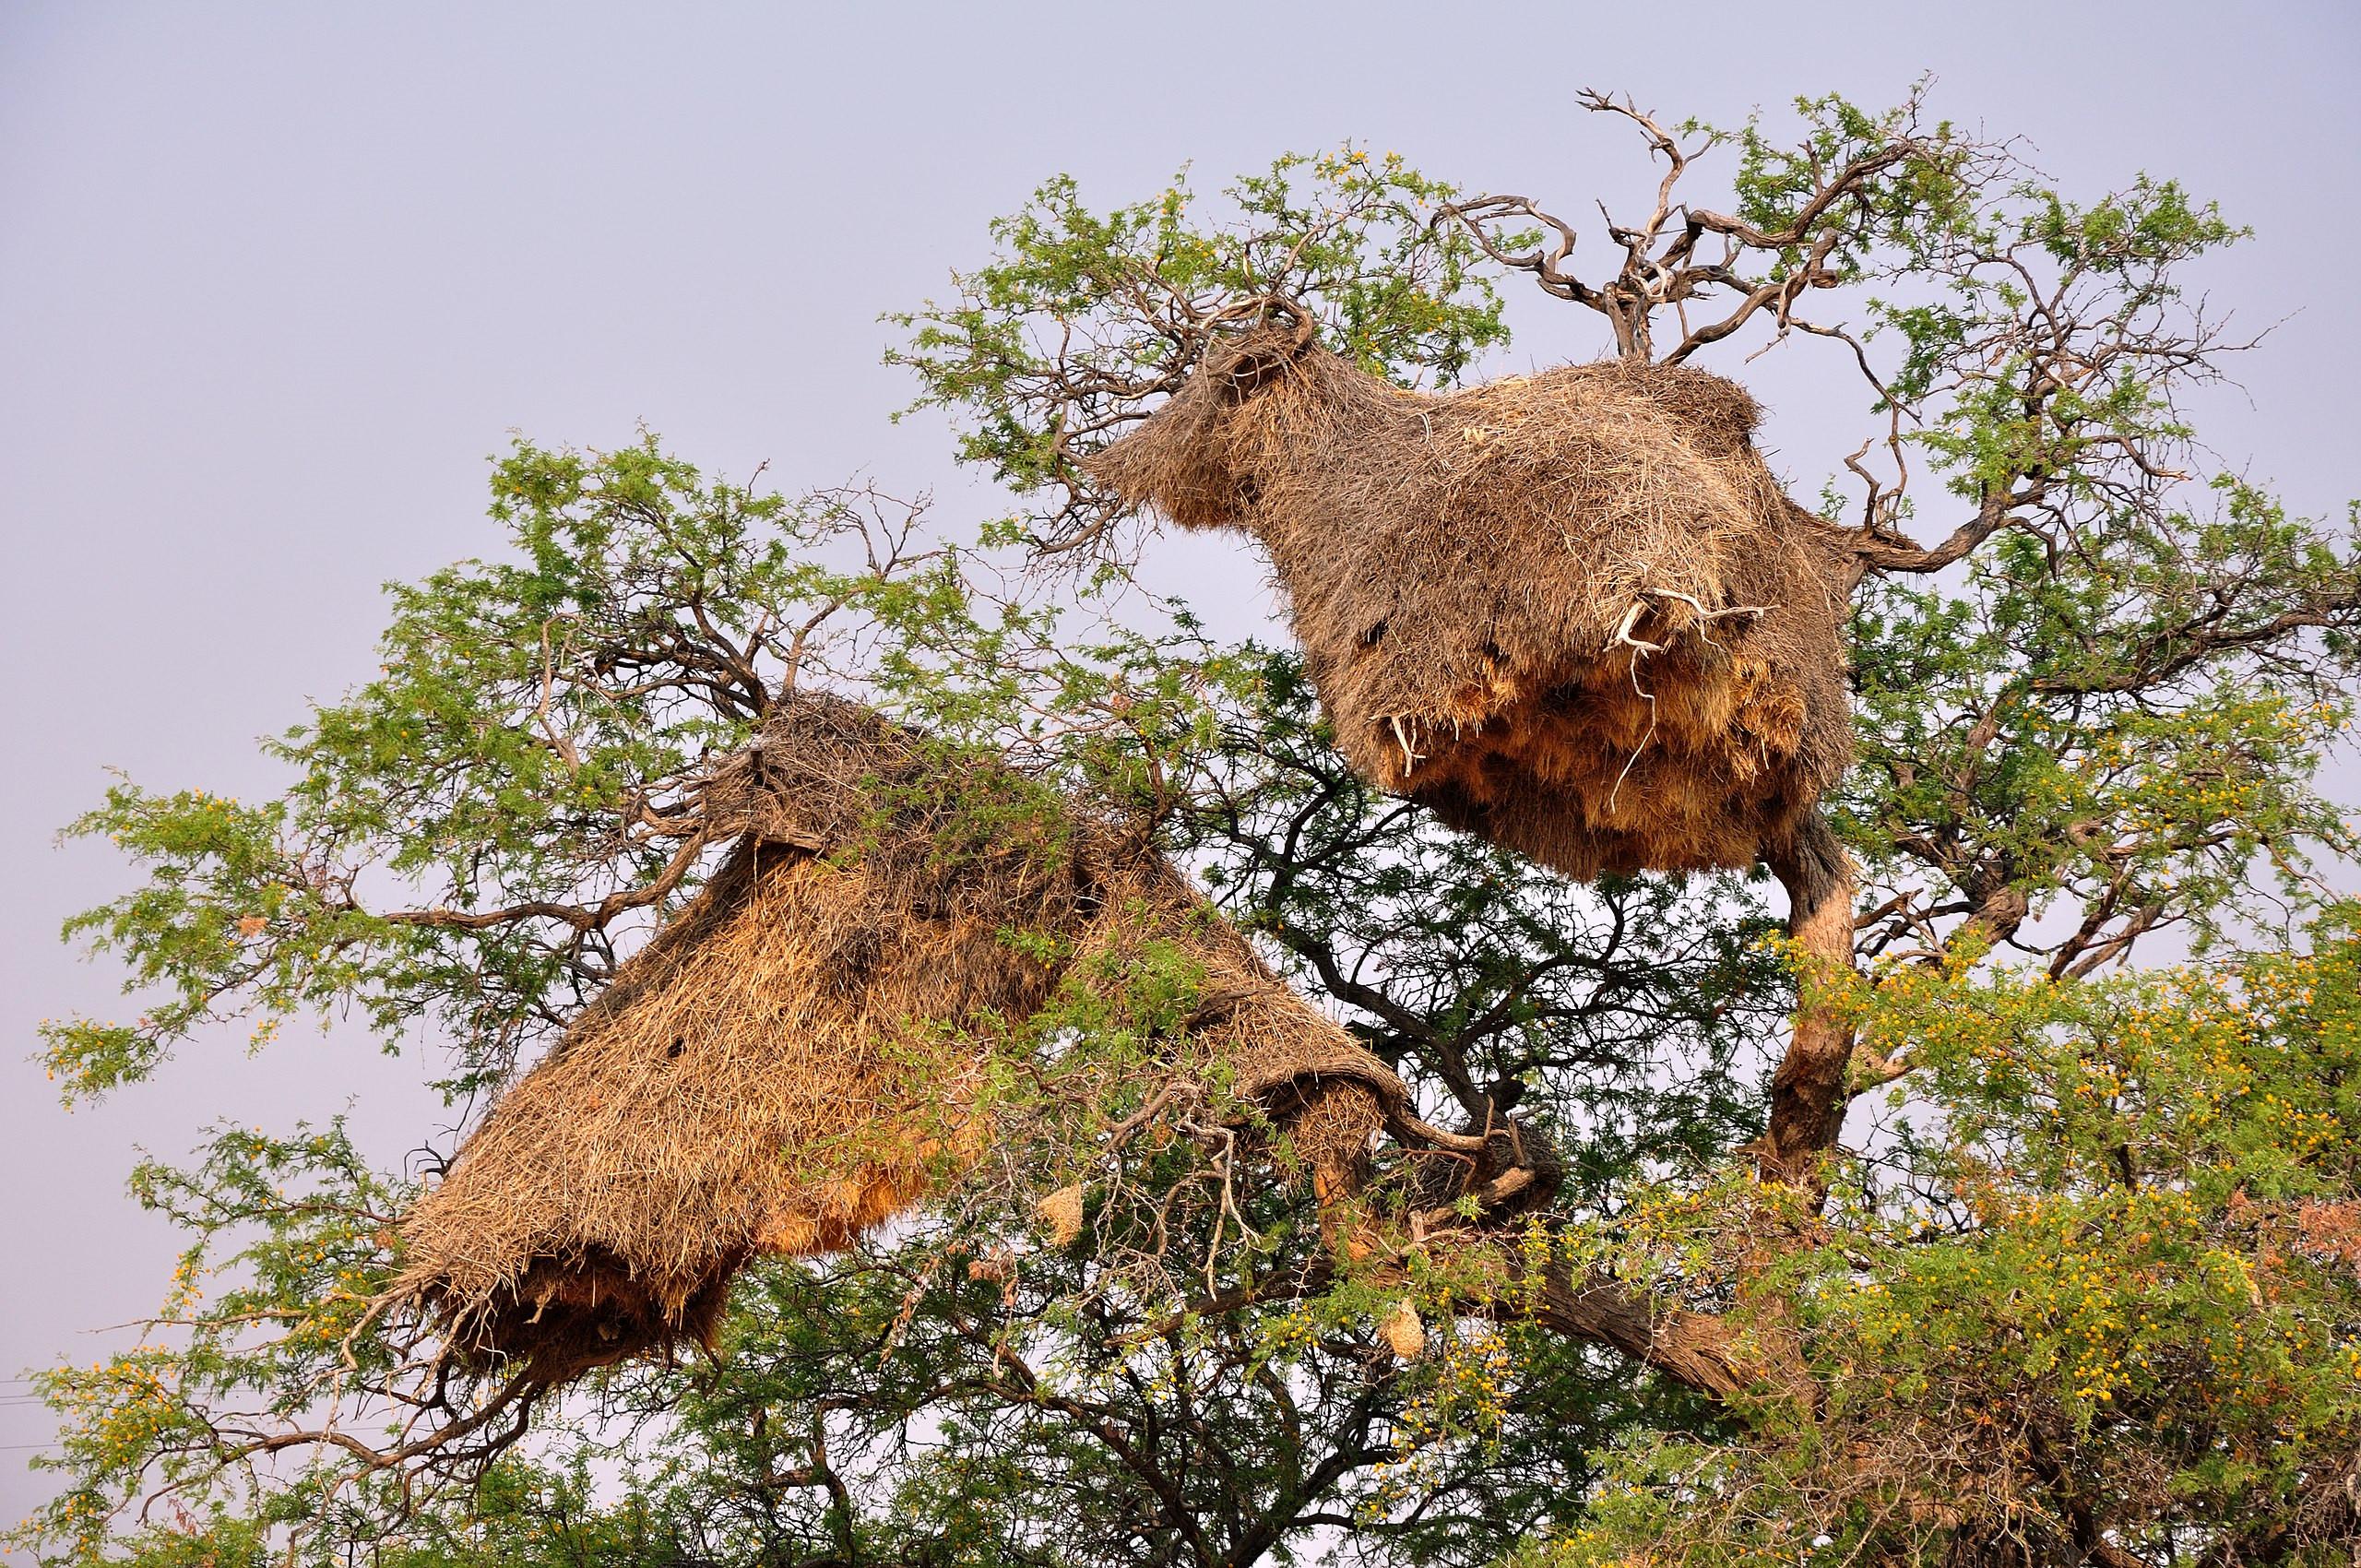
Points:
[[1761, 267]]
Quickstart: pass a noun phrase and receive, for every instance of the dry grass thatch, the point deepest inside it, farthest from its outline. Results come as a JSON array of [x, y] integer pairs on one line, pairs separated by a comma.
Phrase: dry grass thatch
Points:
[[793, 1059], [1572, 611]]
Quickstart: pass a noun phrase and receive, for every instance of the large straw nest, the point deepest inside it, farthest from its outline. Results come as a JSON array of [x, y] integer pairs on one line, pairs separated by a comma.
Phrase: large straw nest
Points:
[[794, 1059], [1572, 612]]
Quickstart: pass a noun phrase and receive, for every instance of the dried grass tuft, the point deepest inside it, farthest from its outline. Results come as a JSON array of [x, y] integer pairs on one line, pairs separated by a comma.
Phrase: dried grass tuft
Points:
[[1572, 612], [1403, 1333], [1061, 1212], [795, 1058]]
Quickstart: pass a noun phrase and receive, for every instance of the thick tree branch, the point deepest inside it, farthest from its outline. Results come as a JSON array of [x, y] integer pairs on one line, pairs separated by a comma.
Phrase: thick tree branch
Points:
[[1808, 1090]]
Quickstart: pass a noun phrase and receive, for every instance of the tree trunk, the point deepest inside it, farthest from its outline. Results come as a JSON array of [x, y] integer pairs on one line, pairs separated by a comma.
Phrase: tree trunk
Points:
[[1808, 1092]]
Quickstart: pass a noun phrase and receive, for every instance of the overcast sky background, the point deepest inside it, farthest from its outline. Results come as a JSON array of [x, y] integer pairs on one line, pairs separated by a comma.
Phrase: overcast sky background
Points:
[[275, 280]]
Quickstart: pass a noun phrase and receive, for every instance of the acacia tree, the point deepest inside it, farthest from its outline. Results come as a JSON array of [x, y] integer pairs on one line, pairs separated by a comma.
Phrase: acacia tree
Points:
[[2086, 1286]]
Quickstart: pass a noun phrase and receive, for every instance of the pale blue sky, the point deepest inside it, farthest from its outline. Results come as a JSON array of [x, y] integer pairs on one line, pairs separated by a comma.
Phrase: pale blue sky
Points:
[[274, 281]]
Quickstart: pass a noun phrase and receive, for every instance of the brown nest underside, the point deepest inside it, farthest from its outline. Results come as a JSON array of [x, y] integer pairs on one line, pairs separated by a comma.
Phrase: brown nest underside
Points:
[[1573, 612]]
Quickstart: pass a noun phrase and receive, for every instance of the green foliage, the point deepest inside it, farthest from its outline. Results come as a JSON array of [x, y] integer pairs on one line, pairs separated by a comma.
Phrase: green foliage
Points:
[[2104, 1280], [1084, 318], [1616, 1016], [526, 746], [2003, 750], [261, 1322], [1924, 194]]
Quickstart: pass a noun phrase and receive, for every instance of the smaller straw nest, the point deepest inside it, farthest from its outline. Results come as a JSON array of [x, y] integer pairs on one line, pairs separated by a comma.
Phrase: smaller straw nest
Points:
[[1572, 612], [795, 1058]]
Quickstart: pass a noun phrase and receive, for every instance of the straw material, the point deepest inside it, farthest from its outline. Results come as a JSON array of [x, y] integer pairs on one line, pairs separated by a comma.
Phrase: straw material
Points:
[[795, 1058], [1403, 1333], [1572, 612]]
